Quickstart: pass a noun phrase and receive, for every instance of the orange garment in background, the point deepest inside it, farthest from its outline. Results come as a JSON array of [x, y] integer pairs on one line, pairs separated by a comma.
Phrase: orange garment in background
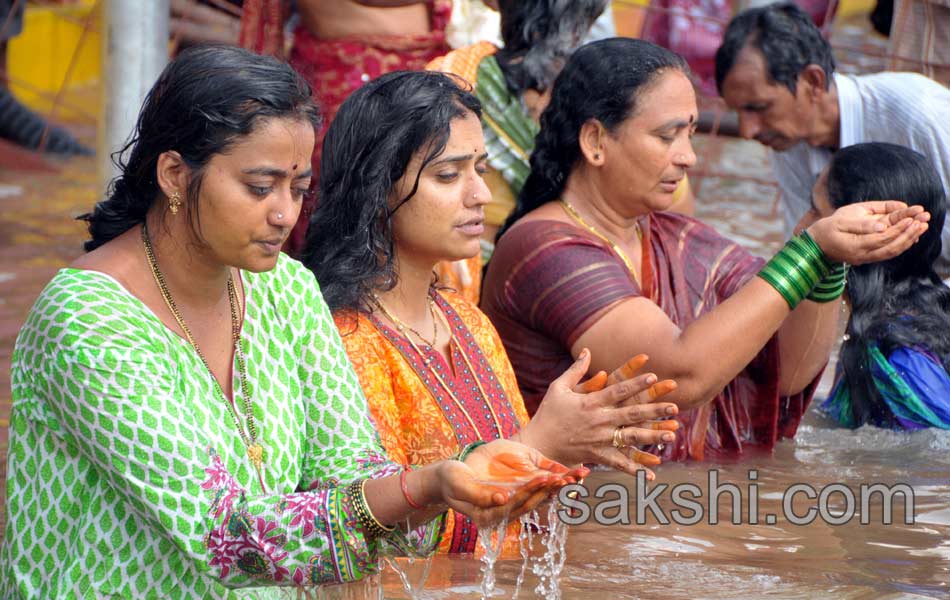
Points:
[[413, 427]]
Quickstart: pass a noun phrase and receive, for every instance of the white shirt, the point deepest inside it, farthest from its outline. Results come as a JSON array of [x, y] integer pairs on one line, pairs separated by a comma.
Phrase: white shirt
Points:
[[900, 108]]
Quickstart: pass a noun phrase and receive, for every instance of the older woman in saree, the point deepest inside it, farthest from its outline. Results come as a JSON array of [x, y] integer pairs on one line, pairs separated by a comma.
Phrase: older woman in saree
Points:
[[185, 421], [401, 190], [513, 83], [591, 259]]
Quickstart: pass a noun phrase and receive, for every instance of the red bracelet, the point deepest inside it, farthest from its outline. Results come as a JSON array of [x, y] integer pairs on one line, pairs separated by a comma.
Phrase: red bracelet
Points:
[[404, 484]]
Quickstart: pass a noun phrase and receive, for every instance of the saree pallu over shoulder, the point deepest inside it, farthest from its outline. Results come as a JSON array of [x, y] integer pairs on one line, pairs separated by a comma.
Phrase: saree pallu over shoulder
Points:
[[551, 281], [419, 420]]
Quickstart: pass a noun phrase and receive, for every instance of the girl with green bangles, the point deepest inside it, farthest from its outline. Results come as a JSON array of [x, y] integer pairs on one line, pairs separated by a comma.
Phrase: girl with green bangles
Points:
[[185, 421]]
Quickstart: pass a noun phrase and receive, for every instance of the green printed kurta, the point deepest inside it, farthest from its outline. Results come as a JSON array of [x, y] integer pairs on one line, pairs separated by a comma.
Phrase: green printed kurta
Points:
[[127, 477]]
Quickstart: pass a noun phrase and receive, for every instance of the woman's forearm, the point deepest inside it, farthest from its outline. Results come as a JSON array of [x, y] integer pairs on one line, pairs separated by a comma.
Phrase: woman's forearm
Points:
[[388, 504], [805, 341]]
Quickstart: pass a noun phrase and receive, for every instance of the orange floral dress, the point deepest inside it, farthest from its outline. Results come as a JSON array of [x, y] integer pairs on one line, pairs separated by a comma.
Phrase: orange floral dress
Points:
[[419, 419]]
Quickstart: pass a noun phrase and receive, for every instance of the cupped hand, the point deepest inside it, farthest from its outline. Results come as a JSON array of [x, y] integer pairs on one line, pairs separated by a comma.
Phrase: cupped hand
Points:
[[578, 423], [502, 479], [869, 231]]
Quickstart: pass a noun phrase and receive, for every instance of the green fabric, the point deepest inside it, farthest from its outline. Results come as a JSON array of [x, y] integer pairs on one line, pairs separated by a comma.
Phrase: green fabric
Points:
[[128, 479], [509, 131], [894, 390]]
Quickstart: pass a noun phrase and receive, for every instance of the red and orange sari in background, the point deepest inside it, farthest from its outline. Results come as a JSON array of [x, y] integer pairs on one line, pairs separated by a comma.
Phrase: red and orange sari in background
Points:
[[335, 68], [549, 281], [426, 410]]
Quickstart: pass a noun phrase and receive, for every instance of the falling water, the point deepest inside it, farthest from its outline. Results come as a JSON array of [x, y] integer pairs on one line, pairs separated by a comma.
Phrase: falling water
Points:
[[549, 565], [401, 566], [491, 541]]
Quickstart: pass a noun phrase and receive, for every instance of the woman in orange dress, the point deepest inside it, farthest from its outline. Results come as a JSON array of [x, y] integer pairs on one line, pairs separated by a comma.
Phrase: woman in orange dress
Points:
[[401, 190]]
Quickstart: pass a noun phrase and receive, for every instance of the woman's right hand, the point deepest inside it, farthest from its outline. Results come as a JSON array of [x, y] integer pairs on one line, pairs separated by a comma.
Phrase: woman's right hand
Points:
[[869, 231], [502, 479], [579, 423]]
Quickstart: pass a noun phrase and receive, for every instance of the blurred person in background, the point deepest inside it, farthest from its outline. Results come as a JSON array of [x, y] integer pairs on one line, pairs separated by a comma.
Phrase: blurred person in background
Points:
[[19, 124], [777, 71]]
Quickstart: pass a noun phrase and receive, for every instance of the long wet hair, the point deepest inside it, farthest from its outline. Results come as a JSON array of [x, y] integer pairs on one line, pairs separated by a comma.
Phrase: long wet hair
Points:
[[899, 302], [366, 151], [539, 36], [203, 102], [602, 81]]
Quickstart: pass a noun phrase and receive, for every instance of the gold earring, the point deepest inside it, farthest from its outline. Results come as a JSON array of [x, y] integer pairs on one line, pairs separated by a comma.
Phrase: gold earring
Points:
[[596, 155], [174, 201]]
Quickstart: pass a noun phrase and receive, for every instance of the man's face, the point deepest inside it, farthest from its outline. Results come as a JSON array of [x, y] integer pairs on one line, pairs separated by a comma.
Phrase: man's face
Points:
[[768, 112]]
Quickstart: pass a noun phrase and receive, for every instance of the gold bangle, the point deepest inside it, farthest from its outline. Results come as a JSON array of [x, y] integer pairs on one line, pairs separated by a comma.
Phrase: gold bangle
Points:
[[369, 510], [371, 525]]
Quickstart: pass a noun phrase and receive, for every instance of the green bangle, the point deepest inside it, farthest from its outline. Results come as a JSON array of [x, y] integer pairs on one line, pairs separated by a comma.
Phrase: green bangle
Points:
[[832, 286], [797, 269], [468, 449]]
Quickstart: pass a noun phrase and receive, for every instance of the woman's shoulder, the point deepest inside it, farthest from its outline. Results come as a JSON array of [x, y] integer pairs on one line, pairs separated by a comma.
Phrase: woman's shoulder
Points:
[[84, 299], [83, 314], [535, 231]]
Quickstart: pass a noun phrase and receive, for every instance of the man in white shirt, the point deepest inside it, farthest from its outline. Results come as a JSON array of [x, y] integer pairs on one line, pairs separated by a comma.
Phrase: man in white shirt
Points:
[[777, 72]]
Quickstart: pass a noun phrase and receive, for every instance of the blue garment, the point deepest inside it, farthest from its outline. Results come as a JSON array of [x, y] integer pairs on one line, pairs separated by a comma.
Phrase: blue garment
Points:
[[912, 383]]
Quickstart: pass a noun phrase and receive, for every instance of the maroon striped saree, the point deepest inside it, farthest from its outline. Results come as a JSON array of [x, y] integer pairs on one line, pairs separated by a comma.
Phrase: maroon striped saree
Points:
[[549, 281]]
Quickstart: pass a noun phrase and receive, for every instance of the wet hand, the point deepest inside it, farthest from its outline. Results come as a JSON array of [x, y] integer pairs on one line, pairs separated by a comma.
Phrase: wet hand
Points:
[[869, 231], [602, 420], [503, 479]]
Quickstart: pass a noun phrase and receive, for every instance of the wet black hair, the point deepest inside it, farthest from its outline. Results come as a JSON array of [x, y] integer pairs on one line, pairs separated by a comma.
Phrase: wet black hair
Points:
[[787, 38], [539, 36], [366, 151], [203, 102], [602, 81], [900, 302]]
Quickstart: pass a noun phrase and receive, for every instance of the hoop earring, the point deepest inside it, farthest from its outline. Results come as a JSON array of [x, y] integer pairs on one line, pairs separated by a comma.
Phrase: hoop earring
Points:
[[174, 201]]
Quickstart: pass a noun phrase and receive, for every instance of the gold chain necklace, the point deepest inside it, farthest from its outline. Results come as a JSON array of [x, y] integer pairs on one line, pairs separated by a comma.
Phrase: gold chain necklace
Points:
[[402, 327], [573, 214], [442, 381], [255, 452]]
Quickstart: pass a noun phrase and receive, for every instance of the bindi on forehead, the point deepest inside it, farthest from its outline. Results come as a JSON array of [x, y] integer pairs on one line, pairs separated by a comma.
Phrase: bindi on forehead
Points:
[[294, 167]]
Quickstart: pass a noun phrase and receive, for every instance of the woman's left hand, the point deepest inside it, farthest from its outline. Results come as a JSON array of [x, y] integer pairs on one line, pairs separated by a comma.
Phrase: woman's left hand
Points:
[[602, 420], [502, 479], [869, 231]]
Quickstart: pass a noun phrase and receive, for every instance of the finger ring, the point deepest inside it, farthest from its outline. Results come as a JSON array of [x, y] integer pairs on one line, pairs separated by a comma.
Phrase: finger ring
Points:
[[618, 437]]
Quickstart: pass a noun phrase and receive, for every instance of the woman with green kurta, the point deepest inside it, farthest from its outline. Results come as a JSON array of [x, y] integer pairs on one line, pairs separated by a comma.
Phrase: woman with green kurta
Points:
[[185, 421]]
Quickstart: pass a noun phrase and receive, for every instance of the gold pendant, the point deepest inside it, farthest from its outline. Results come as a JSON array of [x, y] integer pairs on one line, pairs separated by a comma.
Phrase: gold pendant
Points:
[[255, 452]]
